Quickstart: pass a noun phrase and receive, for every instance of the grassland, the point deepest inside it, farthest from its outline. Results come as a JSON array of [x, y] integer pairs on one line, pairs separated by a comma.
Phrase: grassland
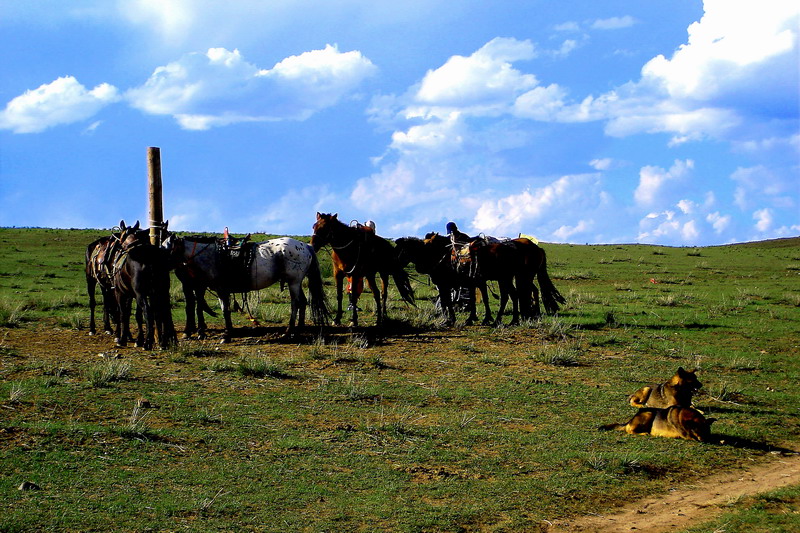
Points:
[[419, 428]]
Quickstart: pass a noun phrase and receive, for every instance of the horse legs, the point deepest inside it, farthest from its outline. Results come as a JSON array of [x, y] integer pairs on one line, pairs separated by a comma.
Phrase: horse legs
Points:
[[514, 295], [446, 301], [225, 303], [339, 278], [110, 309], [146, 328], [91, 283], [487, 311], [353, 299], [536, 310], [123, 319], [200, 296], [376, 294], [191, 305], [385, 293], [298, 305], [139, 325]]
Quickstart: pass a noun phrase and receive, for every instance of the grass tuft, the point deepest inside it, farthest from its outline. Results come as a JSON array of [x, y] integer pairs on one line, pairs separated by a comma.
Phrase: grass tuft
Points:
[[102, 375]]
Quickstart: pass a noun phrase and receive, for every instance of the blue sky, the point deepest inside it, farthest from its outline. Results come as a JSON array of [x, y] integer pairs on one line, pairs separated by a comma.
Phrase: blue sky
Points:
[[670, 122]]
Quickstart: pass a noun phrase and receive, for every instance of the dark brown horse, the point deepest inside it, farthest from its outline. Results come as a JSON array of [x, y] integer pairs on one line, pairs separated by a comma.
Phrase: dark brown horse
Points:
[[432, 256], [99, 263], [482, 261], [521, 260], [141, 272], [361, 254]]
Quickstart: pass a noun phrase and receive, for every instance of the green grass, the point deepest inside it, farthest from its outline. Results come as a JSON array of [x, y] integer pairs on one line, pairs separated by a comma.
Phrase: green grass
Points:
[[419, 429]]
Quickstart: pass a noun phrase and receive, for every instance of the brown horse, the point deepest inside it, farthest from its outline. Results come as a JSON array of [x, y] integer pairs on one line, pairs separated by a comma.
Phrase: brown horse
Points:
[[482, 261], [360, 253], [522, 260], [99, 263], [431, 256]]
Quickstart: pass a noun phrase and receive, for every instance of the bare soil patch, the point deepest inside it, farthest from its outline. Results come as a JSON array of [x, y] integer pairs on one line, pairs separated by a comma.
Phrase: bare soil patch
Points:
[[694, 504]]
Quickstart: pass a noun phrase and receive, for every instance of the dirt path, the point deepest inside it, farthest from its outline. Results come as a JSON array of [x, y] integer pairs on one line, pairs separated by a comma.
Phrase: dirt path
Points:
[[694, 504]]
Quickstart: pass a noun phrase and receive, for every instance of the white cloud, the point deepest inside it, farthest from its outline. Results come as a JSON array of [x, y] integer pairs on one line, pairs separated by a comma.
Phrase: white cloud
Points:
[[532, 207], [605, 163], [485, 79], [760, 184], [652, 181], [764, 219], [719, 222], [566, 233], [727, 47], [220, 88], [712, 86], [62, 101], [614, 23]]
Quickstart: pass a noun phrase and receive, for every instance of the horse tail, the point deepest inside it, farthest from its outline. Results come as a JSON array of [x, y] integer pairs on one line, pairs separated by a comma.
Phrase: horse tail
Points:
[[550, 295], [403, 283], [318, 301]]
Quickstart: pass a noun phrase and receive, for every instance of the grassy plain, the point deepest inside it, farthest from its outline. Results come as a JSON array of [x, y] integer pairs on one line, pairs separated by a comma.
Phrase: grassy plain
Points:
[[419, 428]]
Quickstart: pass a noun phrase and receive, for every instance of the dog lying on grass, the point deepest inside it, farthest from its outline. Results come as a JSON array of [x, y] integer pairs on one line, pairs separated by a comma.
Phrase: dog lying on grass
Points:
[[678, 390], [673, 422]]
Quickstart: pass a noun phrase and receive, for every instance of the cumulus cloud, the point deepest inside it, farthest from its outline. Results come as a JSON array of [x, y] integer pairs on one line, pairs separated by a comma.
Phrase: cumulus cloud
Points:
[[533, 207], [63, 101], [483, 81], [652, 181], [220, 87], [719, 222], [764, 219], [709, 88], [714, 84]]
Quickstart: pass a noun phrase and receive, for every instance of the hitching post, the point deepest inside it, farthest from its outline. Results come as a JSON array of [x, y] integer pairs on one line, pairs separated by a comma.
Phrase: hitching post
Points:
[[154, 181]]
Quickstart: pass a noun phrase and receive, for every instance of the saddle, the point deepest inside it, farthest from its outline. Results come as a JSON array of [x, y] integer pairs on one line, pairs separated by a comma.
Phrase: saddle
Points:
[[236, 256]]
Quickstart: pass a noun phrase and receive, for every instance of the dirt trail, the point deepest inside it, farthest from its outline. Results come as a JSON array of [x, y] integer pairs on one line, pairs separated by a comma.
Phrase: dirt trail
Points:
[[694, 504]]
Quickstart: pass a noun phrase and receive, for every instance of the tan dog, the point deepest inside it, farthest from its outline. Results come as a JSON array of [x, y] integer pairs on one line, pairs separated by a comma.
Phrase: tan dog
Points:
[[674, 422], [677, 391]]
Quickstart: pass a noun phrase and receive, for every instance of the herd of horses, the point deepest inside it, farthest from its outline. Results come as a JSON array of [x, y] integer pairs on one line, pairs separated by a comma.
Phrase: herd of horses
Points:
[[127, 267]]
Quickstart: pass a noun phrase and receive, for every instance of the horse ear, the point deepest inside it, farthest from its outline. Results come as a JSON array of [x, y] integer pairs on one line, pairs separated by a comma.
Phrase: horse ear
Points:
[[136, 226], [335, 216], [166, 225], [319, 215], [122, 225]]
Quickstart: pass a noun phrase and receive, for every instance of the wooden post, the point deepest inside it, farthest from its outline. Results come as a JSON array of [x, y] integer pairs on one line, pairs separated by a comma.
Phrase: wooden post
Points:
[[154, 188]]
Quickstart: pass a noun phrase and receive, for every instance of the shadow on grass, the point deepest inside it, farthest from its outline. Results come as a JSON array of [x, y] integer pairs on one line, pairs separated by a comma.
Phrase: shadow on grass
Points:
[[747, 444]]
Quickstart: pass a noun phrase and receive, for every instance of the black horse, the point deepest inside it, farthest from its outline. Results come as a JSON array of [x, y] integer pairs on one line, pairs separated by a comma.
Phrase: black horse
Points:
[[141, 272], [100, 258], [433, 256]]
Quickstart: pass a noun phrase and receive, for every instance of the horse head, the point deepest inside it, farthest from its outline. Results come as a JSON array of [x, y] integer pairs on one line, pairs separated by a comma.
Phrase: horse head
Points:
[[408, 249], [323, 229], [131, 235], [173, 246]]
